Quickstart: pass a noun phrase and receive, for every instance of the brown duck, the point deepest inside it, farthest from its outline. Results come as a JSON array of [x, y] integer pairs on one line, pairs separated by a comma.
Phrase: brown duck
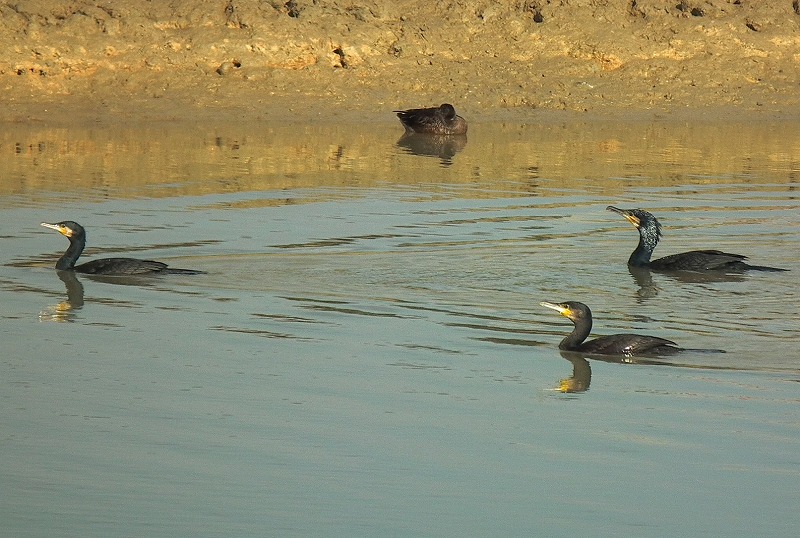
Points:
[[441, 120]]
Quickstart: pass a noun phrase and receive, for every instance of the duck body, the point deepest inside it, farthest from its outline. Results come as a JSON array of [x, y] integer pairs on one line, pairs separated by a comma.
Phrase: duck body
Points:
[[695, 260], [441, 120], [105, 266]]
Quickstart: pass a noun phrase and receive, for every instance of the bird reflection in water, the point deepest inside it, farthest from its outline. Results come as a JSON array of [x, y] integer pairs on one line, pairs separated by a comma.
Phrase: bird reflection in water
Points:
[[65, 311], [648, 288], [582, 370], [581, 374], [443, 147]]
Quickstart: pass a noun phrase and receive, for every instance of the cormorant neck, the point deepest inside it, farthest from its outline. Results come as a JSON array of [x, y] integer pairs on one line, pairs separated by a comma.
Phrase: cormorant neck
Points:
[[67, 261], [648, 239], [574, 340]]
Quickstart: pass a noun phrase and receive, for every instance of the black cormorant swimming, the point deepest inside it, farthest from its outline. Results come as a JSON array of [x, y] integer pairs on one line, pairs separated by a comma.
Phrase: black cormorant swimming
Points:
[[441, 120], [105, 266], [695, 260], [614, 344]]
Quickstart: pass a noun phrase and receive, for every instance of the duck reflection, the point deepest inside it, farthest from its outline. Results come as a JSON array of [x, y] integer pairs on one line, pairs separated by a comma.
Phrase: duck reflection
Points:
[[65, 311], [443, 147]]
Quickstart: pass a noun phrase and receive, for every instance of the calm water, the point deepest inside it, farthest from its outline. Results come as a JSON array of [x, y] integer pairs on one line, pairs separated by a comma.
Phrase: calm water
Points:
[[366, 355]]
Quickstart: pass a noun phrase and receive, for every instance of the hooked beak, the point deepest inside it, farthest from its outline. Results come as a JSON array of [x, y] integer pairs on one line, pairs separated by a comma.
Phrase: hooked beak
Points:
[[630, 217], [63, 230], [563, 310]]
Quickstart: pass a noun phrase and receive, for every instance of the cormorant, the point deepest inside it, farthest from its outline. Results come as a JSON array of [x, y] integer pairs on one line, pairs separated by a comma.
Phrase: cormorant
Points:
[[105, 266], [614, 344], [441, 120], [695, 260]]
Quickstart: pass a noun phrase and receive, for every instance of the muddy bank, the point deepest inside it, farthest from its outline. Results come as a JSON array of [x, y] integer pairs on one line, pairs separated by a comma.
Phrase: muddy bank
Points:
[[303, 59]]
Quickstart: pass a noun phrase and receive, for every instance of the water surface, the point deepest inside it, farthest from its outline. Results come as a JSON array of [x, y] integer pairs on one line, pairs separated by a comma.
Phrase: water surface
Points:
[[366, 354]]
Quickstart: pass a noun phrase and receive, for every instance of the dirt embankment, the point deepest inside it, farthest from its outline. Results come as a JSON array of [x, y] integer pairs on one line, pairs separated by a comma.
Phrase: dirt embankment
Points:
[[308, 59]]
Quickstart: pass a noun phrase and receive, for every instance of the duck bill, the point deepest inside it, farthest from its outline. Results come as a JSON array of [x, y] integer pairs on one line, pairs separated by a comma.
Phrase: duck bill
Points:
[[563, 310]]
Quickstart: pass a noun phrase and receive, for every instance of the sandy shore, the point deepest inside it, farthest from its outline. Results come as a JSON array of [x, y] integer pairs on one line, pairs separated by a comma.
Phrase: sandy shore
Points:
[[346, 60]]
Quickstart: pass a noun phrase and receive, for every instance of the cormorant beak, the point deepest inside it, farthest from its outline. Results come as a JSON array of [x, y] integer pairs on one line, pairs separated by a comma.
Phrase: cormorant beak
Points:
[[63, 230], [630, 217], [561, 309]]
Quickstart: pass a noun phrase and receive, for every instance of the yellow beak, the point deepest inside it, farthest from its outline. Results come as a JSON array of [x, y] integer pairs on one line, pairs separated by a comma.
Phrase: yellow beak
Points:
[[563, 310], [63, 230]]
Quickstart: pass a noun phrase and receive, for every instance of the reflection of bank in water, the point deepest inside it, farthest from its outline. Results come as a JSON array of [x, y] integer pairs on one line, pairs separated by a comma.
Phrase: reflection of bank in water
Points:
[[444, 147], [184, 158]]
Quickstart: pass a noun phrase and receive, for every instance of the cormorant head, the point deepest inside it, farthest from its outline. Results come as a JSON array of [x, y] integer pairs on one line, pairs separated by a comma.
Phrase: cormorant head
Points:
[[67, 228], [572, 310], [644, 221]]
